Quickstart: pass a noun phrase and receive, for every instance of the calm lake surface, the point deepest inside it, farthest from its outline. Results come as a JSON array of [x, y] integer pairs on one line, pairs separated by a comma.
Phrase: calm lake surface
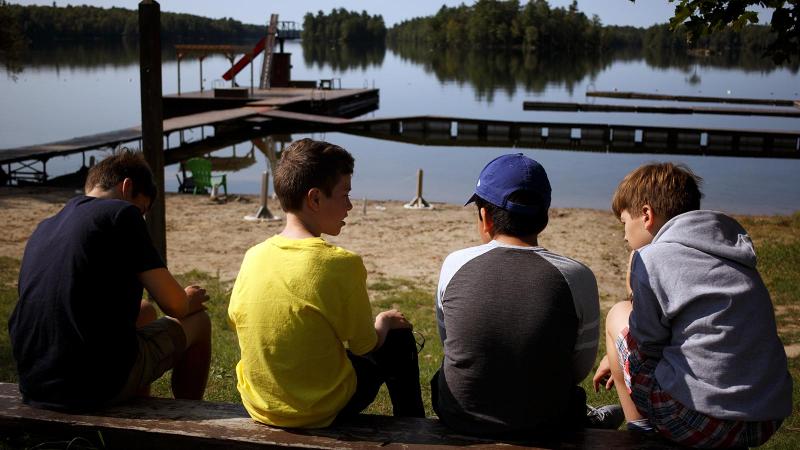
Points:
[[82, 89]]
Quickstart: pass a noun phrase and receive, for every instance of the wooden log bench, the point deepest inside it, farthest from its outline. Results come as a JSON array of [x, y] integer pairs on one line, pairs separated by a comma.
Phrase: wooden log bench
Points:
[[157, 423]]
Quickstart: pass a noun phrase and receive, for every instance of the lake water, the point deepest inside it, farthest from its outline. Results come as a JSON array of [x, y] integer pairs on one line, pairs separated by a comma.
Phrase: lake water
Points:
[[77, 90]]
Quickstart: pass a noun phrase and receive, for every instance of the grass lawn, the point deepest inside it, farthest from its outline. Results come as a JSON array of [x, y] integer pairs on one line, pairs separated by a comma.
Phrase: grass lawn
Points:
[[777, 241]]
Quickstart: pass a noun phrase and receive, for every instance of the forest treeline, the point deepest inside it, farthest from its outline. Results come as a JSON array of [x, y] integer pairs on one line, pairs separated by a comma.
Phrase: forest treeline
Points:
[[344, 27], [536, 26], [532, 26], [49, 23]]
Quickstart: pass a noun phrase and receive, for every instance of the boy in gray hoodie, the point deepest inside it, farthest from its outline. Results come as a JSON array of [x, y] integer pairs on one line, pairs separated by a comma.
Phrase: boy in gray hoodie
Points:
[[694, 353]]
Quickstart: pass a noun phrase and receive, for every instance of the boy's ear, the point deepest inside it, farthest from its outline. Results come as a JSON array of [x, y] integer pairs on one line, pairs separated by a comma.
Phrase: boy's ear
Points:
[[649, 219], [487, 223], [126, 189], [313, 199]]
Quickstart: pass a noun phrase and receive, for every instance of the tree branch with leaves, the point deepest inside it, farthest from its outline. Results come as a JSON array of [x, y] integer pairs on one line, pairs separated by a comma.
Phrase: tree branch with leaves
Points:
[[703, 17]]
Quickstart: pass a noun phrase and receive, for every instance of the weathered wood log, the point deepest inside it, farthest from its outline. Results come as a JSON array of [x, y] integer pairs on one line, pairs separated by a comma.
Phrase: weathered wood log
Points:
[[159, 423]]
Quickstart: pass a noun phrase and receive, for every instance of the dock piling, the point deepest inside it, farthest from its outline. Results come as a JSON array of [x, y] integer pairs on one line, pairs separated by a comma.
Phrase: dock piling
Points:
[[153, 115], [418, 202], [202, 57], [263, 214]]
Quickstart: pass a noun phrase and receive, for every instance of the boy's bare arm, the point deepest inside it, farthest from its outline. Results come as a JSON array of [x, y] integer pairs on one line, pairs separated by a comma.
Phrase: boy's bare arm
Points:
[[389, 320], [628, 287], [175, 301]]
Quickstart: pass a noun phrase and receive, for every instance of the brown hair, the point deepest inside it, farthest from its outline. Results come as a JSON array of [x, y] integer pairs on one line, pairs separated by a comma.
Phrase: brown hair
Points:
[[308, 164], [670, 189], [125, 164]]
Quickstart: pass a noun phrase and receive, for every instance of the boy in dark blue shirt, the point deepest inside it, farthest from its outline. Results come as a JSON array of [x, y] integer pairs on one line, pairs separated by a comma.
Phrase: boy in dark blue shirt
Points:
[[81, 334]]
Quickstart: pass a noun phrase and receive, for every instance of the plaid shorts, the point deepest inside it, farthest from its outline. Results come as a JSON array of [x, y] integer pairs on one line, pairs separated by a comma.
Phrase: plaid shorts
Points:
[[675, 421]]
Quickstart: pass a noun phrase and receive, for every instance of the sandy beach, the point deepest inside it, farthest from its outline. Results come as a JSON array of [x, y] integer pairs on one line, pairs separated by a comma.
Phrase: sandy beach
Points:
[[395, 242]]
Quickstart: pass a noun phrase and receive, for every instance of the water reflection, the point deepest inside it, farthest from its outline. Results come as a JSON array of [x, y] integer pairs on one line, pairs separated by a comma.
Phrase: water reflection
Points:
[[507, 70], [746, 61], [487, 71], [418, 81], [343, 57], [93, 53]]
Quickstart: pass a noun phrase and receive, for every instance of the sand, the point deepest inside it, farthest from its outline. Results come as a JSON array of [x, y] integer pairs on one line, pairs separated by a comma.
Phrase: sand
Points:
[[395, 242]]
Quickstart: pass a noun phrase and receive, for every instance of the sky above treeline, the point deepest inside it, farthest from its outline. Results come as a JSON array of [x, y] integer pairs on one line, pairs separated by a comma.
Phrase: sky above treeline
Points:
[[643, 13]]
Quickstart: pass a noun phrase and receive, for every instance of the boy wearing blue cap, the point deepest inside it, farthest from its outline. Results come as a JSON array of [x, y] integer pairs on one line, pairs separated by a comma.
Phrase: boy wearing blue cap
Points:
[[518, 323]]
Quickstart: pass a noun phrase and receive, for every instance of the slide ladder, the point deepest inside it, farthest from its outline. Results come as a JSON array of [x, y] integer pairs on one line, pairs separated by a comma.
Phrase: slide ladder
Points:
[[266, 44], [269, 45]]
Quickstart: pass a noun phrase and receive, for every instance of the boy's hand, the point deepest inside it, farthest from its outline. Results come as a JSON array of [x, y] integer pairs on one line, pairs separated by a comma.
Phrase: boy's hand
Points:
[[603, 375], [197, 297], [389, 320]]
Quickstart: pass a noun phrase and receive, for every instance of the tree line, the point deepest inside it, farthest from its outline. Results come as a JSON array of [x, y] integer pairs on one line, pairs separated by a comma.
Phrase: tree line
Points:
[[492, 24], [536, 26], [344, 26], [49, 23], [533, 26]]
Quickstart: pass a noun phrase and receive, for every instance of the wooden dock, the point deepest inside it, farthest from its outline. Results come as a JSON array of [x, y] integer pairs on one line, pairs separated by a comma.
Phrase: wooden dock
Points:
[[691, 98], [648, 109], [331, 102], [241, 114], [235, 114], [613, 138]]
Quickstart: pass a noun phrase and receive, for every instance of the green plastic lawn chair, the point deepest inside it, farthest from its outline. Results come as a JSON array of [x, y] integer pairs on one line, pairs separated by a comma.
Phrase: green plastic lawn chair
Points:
[[203, 180]]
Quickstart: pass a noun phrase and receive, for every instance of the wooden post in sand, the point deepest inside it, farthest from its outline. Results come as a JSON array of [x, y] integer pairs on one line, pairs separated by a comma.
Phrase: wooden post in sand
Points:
[[153, 115], [418, 202], [263, 213]]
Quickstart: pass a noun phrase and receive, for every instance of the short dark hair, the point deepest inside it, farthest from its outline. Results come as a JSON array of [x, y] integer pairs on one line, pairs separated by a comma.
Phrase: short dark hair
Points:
[[307, 164], [124, 164], [515, 224], [670, 189]]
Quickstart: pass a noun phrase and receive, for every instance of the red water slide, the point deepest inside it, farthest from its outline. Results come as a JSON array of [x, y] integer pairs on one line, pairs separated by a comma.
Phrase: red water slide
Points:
[[245, 60]]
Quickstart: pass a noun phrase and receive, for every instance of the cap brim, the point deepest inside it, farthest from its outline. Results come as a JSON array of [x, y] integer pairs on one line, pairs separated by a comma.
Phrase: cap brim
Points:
[[471, 199]]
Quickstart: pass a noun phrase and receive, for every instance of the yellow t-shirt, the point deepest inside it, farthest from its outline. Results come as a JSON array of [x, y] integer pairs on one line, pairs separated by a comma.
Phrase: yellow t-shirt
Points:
[[295, 304]]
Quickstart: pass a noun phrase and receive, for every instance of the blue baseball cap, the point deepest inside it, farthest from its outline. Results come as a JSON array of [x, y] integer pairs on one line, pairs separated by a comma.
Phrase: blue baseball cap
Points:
[[507, 174]]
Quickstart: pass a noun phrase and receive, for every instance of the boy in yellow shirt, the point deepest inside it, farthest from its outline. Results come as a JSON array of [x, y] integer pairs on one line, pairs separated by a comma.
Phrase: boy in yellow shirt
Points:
[[310, 352]]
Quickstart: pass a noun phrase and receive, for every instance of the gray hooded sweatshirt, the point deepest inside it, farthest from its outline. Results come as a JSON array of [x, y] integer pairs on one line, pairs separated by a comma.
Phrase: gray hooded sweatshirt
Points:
[[700, 306]]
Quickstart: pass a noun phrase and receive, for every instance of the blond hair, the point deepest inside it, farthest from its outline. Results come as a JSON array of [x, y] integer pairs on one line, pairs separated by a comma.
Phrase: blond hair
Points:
[[669, 189]]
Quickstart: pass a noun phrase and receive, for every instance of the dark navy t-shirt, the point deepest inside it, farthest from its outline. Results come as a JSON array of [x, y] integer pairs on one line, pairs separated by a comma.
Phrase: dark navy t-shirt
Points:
[[73, 330]]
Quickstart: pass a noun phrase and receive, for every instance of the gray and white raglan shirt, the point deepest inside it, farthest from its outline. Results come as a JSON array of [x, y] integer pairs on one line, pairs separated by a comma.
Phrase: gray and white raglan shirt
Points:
[[519, 327]]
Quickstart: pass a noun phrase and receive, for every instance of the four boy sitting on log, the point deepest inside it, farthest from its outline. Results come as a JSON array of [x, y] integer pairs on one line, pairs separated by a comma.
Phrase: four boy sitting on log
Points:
[[519, 324]]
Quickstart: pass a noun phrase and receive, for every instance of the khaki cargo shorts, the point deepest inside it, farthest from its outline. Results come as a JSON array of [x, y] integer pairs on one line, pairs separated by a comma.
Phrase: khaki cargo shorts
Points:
[[161, 343]]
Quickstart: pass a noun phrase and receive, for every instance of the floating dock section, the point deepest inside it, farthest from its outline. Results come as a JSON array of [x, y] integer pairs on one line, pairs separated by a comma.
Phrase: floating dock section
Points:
[[612, 138]]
